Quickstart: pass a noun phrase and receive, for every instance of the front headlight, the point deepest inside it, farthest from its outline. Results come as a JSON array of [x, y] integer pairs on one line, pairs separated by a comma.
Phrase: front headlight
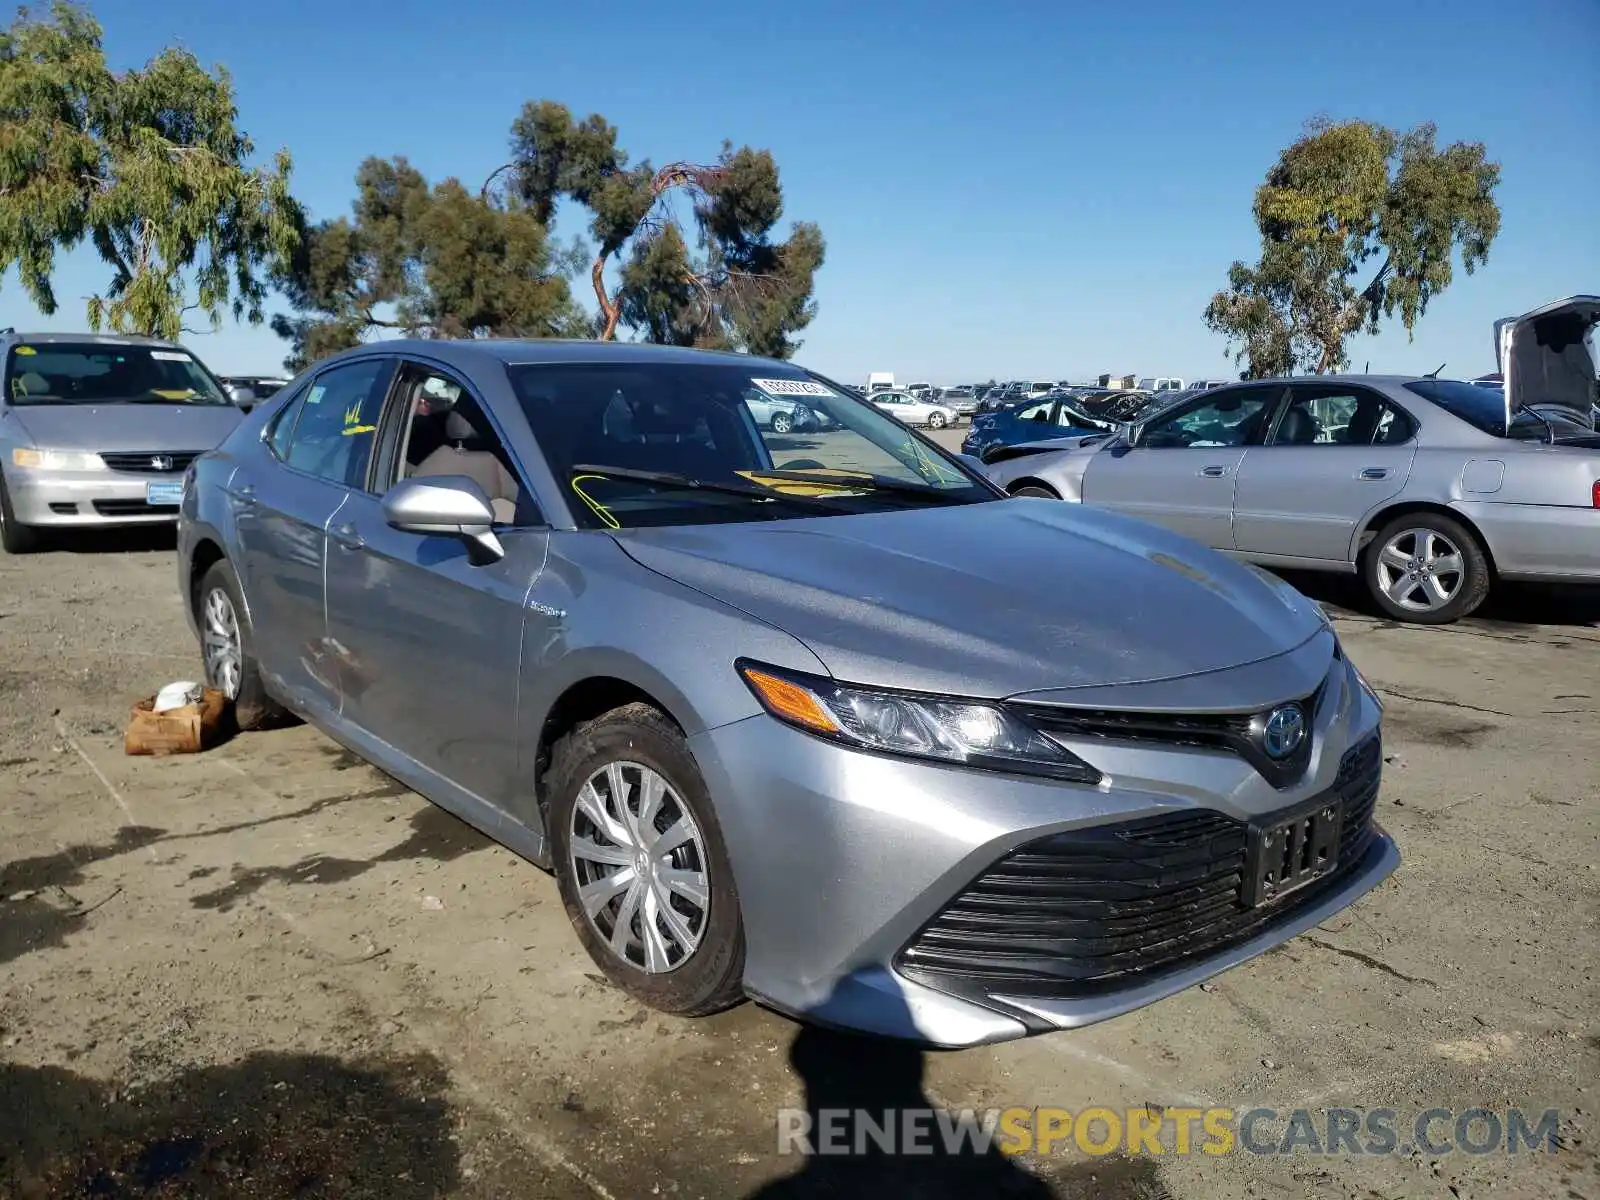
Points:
[[57, 460], [967, 732], [1366, 687]]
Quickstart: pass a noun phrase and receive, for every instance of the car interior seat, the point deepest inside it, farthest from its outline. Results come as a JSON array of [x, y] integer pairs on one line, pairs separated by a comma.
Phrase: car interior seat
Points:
[[1298, 428], [1363, 424], [465, 452]]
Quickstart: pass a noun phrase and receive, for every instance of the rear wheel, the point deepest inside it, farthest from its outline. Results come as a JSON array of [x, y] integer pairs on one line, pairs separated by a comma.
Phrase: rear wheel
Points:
[[643, 869], [1036, 489], [1426, 568], [16, 538], [227, 644]]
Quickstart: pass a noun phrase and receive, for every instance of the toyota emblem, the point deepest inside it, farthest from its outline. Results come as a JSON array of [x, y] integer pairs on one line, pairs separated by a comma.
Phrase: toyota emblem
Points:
[[161, 462], [1283, 732]]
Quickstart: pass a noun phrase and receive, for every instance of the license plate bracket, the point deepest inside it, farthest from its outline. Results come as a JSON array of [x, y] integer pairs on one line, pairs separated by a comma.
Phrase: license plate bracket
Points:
[[1292, 851], [167, 492]]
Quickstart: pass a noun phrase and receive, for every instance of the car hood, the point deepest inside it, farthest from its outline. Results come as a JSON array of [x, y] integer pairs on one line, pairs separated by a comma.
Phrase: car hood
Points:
[[138, 426], [988, 599], [1546, 357]]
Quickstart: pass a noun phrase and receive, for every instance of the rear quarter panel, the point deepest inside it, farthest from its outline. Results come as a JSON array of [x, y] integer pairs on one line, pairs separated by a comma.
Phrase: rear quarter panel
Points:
[[1541, 521]]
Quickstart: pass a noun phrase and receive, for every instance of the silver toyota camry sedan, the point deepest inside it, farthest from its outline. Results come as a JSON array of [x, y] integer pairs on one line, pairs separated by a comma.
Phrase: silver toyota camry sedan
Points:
[[1430, 489], [727, 684], [98, 430]]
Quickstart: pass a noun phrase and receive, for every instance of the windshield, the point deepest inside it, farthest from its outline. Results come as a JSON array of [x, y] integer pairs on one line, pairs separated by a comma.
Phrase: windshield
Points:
[[106, 373], [1481, 407], [650, 444]]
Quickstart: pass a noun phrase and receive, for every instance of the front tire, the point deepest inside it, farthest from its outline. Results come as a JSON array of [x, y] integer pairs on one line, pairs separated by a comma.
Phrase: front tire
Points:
[[227, 644], [1037, 489], [937, 420], [1426, 568], [15, 538], [782, 422], [643, 869]]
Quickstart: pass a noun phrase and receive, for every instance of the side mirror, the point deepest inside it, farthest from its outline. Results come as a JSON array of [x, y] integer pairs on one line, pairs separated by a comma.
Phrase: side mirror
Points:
[[449, 504], [244, 397]]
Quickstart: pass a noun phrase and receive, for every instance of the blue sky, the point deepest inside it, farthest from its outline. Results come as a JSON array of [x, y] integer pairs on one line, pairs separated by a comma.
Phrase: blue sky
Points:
[[1007, 189]]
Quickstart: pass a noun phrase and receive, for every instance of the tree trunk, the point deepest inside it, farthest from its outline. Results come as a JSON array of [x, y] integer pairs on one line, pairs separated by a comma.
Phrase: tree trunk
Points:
[[609, 308]]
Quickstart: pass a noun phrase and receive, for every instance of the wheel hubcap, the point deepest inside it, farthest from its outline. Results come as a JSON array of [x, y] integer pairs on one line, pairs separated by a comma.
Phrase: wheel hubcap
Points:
[[1421, 570], [223, 654], [639, 862]]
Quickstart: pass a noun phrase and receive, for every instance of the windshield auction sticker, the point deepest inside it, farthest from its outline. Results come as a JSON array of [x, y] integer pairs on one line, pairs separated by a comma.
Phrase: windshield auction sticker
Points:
[[792, 387]]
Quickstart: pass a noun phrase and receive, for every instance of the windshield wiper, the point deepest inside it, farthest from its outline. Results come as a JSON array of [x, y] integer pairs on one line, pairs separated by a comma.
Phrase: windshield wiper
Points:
[[688, 482], [874, 483]]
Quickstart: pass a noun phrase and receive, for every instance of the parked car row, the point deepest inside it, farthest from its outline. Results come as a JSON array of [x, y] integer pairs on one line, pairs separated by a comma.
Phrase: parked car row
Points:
[[695, 597]]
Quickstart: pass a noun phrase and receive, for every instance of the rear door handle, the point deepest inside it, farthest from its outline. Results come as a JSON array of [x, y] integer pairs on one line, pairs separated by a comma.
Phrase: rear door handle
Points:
[[347, 537], [1375, 472], [1214, 472]]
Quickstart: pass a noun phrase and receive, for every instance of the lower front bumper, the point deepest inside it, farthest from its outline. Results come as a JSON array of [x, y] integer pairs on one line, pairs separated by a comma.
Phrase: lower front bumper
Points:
[[842, 857], [880, 1000], [80, 499]]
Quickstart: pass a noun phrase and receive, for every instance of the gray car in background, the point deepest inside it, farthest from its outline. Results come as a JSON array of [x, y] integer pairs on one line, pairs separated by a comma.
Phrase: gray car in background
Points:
[[726, 685], [98, 430], [1430, 489]]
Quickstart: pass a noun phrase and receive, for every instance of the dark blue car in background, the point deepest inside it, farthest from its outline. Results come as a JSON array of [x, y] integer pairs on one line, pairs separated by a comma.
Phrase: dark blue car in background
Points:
[[1050, 416]]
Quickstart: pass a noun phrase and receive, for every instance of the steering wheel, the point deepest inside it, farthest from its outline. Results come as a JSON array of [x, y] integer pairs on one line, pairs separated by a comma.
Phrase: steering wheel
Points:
[[801, 464]]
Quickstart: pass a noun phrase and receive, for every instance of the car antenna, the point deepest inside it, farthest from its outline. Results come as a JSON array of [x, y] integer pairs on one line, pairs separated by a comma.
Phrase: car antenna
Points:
[[1434, 374]]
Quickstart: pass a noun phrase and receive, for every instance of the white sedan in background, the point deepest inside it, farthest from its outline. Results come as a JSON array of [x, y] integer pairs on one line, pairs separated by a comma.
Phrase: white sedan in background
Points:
[[908, 408]]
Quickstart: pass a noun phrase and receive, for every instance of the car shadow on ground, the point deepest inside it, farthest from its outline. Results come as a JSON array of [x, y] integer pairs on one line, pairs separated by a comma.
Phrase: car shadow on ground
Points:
[[271, 1125], [1509, 604], [857, 1084]]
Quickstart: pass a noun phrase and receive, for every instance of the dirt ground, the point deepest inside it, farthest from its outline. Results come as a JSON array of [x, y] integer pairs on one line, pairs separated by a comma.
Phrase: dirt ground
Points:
[[269, 971]]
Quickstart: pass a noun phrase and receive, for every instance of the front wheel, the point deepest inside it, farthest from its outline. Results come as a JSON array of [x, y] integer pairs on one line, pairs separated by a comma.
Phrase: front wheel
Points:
[[937, 420], [1038, 490], [1426, 568], [782, 422], [643, 869], [15, 538], [227, 644]]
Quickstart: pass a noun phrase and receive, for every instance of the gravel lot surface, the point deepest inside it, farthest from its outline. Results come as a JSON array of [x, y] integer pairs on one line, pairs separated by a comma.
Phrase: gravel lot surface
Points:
[[270, 971]]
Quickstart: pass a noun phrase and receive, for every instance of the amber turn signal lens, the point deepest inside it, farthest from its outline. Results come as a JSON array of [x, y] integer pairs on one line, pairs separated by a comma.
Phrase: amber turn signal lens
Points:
[[789, 701]]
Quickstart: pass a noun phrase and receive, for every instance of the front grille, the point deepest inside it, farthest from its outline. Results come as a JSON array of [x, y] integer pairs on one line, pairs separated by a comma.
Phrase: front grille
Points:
[[1235, 733], [143, 462], [1095, 910], [131, 508]]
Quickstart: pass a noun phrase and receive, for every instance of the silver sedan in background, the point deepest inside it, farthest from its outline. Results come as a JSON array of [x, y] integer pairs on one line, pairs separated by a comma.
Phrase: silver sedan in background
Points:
[[1429, 488], [98, 430]]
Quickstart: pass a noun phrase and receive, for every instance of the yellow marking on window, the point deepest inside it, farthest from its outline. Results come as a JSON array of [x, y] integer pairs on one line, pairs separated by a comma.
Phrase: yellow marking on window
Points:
[[600, 510]]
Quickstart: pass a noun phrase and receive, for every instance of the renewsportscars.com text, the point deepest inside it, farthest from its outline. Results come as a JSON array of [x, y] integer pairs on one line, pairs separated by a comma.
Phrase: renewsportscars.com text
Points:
[[1175, 1131]]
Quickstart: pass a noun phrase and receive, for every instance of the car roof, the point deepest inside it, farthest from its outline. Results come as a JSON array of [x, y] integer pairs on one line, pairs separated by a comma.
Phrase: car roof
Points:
[[515, 351], [1391, 380], [103, 339]]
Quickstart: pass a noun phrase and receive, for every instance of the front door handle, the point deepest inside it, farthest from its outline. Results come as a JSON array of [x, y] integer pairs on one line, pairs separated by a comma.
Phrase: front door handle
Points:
[[347, 537], [1214, 472], [1375, 473]]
